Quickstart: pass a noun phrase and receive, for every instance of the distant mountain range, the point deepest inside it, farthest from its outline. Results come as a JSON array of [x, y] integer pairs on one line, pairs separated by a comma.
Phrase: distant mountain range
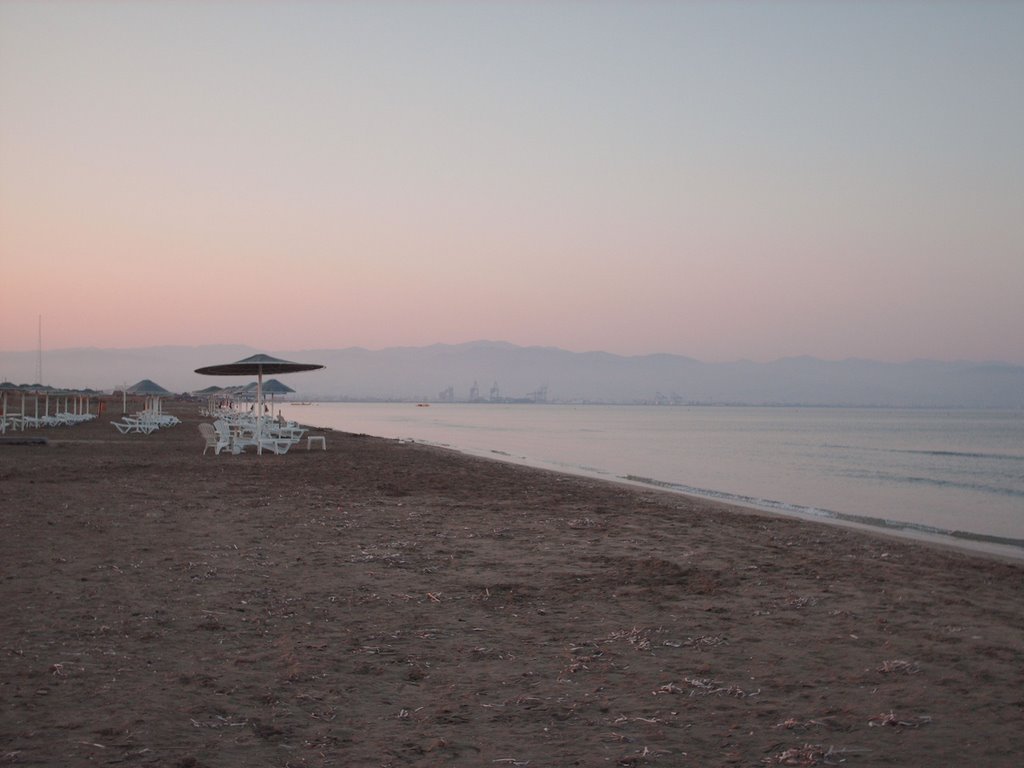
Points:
[[505, 372]]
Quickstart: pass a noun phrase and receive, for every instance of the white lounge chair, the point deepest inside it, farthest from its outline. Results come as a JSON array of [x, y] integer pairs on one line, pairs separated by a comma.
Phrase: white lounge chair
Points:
[[130, 424], [241, 438], [238, 437], [213, 439], [226, 437], [276, 444]]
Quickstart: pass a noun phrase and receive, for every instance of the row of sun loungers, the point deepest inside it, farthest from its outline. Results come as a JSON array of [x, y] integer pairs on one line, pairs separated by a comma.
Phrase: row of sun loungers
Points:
[[238, 435], [145, 423], [17, 421]]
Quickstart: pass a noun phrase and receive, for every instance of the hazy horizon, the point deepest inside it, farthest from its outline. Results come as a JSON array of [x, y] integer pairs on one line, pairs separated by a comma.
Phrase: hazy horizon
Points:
[[502, 372], [470, 342], [720, 180]]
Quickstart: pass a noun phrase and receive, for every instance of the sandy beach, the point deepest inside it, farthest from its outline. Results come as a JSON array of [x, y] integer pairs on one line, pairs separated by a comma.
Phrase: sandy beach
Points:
[[393, 604]]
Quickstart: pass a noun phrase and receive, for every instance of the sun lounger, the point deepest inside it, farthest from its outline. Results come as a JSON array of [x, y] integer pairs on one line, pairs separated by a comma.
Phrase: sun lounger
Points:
[[293, 433], [134, 425], [214, 439], [276, 444], [240, 437]]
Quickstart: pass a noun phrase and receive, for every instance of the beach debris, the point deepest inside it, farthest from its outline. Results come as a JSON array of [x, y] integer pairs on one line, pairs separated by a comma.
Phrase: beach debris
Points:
[[220, 722], [705, 641], [649, 720], [582, 655], [530, 702], [792, 724], [375, 649], [703, 684], [638, 638], [837, 612], [801, 602], [637, 757], [706, 687], [890, 718], [669, 688], [808, 755], [483, 652], [899, 666]]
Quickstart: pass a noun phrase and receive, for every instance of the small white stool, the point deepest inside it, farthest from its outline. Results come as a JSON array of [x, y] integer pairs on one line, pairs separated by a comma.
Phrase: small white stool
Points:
[[311, 439]]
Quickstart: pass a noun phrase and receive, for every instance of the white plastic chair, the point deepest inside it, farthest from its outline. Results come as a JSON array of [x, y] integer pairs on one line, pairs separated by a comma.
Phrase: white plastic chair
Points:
[[213, 439]]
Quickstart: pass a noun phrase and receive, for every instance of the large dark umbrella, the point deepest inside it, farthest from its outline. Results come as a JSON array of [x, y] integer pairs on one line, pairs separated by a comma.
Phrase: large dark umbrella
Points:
[[257, 365]]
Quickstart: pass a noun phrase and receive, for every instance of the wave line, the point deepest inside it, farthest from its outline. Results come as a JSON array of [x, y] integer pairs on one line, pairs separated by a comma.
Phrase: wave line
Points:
[[816, 512]]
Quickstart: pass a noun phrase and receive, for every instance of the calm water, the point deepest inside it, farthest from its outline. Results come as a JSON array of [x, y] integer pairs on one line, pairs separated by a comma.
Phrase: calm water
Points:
[[956, 476]]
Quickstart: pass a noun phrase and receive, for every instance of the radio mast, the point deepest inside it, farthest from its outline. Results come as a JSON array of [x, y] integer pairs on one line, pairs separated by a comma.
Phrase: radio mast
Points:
[[39, 354]]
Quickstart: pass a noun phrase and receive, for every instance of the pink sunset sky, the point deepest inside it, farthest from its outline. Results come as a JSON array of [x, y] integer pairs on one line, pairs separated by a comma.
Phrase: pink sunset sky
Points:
[[722, 180]]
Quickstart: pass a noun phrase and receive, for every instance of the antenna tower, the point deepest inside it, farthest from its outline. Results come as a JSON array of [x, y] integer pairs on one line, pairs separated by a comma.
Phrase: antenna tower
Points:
[[39, 354]]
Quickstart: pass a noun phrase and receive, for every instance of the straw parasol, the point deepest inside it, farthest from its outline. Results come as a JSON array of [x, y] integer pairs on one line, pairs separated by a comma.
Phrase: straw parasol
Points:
[[257, 366], [150, 390]]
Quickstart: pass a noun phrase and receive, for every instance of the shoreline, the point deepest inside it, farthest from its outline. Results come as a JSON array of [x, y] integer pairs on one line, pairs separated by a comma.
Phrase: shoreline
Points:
[[959, 541], [907, 512], [394, 604]]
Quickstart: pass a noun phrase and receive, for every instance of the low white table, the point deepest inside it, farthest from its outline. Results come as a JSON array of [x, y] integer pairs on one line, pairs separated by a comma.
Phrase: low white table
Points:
[[313, 439]]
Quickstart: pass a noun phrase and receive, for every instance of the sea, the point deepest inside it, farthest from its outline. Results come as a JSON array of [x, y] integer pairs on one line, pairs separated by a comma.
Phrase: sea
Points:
[[950, 476]]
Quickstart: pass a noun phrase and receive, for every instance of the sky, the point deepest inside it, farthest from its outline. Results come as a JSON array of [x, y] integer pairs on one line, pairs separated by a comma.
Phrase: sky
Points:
[[723, 180]]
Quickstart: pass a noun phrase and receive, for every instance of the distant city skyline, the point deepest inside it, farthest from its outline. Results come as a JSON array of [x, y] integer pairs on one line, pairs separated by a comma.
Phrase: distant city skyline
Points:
[[720, 180], [501, 372]]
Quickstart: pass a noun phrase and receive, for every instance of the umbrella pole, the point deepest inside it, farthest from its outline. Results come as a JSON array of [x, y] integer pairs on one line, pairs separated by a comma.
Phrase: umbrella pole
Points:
[[259, 412]]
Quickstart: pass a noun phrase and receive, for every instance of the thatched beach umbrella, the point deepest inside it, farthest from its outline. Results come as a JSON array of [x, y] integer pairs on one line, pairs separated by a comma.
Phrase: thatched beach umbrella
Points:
[[210, 393], [275, 387], [148, 389], [257, 366], [272, 387]]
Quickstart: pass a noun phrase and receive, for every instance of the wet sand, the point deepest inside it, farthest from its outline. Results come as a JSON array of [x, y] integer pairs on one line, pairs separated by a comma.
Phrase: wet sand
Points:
[[393, 604]]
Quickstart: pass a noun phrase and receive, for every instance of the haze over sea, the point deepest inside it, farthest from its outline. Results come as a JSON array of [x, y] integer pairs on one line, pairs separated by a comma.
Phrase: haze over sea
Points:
[[955, 477]]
